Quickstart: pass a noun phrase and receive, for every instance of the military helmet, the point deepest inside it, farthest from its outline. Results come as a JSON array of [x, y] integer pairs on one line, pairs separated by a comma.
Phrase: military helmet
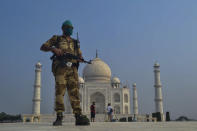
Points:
[[67, 23]]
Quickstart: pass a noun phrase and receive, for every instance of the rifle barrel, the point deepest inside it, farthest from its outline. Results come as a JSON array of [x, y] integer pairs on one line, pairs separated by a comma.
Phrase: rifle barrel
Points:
[[70, 56]]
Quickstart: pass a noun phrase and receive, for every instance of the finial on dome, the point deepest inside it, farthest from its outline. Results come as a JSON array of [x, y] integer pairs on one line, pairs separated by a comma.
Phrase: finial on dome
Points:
[[96, 53], [38, 63]]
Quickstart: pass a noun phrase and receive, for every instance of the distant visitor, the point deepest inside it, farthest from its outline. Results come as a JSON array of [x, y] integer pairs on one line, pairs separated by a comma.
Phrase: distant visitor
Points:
[[93, 112], [109, 112]]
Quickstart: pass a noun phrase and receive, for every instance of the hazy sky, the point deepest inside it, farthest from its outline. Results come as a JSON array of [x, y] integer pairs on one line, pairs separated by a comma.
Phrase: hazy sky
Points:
[[130, 36]]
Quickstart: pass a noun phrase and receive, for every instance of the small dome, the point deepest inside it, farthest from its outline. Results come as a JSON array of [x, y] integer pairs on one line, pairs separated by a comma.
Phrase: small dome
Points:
[[38, 65], [134, 84], [97, 70], [115, 80], [81, 81]]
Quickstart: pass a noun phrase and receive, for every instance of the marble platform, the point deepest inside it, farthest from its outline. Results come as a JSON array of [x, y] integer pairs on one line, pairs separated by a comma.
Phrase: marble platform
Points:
[[103, 126]]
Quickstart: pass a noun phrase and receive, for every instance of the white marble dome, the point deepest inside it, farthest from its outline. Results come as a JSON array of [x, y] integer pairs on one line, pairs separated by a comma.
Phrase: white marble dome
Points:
[[38, 65], [115, 80], [134, 84], [98, 70], [81, 81]]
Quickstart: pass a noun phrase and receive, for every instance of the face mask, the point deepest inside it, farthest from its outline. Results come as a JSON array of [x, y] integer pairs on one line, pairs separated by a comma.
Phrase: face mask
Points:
[[68, 31]]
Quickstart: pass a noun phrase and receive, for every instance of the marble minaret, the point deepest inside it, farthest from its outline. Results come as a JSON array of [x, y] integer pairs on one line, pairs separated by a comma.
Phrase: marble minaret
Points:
[[135, 100], [37, 86], [158, 91]]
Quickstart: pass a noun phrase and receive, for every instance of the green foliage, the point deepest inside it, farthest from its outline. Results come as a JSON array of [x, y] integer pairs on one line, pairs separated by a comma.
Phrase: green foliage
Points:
[[27, 120], [182, 118], [9, 118], [130, 119], [123, 119]]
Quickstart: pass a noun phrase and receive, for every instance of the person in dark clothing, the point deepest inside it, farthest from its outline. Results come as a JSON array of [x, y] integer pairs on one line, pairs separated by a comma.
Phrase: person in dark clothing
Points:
[[93, 112]]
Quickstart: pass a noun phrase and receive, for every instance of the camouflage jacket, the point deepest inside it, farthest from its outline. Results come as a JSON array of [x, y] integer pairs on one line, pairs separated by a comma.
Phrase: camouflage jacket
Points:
[[62, 43]]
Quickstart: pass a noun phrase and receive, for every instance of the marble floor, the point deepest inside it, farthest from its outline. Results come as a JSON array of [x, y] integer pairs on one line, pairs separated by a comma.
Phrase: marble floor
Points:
[[103, 126]]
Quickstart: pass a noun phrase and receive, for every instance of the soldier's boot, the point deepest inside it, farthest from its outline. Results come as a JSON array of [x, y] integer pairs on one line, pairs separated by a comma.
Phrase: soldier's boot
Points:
[[81, 120], [58, 121]]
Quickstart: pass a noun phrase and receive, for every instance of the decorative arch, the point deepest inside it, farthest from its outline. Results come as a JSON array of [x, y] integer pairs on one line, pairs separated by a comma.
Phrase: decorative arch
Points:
[[126, 98], [99, 100], [126, 108], [117, 109], [80, 97], [116, 97]]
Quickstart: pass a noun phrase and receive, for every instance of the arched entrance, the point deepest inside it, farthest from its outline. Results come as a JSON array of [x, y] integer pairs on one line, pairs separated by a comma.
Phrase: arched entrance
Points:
[[126, 109], [117, 109], [81, 101], [126, 98], [99, 100], [116, 97]]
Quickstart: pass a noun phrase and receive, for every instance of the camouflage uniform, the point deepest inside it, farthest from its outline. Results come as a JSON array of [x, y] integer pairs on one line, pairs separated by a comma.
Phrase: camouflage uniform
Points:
[[65, 77]]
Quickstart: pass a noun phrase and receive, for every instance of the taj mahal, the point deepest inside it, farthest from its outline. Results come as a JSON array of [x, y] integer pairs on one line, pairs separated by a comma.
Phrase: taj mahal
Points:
[[97, 85]]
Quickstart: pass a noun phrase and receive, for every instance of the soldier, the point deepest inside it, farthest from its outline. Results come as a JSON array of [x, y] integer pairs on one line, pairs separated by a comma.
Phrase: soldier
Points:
[[66, 76]]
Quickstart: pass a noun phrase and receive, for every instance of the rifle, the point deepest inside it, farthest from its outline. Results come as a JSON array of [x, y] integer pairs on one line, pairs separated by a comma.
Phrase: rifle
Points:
[[67, 56]]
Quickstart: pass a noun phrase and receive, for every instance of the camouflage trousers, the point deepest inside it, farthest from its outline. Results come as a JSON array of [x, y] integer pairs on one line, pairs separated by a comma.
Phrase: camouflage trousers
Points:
[[66, 77]]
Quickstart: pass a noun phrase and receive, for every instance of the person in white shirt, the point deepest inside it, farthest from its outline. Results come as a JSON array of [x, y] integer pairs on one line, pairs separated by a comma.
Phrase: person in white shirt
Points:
[[109, 112]]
